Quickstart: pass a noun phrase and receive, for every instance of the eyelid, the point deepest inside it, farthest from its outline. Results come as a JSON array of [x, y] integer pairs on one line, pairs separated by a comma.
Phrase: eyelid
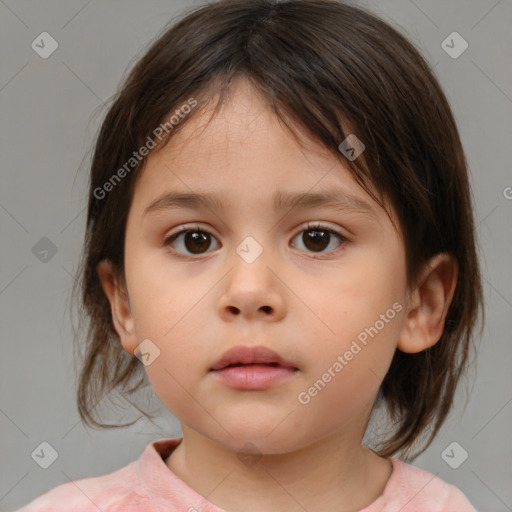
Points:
[[322, 225], [183, 229], [301, 227]]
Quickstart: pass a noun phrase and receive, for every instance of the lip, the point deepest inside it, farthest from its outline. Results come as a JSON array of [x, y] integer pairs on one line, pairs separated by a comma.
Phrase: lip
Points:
[[256, 368], [242, 354]]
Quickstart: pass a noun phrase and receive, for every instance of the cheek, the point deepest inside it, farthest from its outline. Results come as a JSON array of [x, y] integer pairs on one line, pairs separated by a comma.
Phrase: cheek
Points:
[[362, 315], [167, 316], [357, 298], [158, 299], [346, 378]]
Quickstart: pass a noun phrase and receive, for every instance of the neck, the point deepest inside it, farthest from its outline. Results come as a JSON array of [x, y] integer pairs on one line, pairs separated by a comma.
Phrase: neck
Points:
[[333, 473]]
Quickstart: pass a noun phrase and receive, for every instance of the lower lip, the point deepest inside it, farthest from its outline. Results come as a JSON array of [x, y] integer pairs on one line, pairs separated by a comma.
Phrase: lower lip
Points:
[[253, 376]]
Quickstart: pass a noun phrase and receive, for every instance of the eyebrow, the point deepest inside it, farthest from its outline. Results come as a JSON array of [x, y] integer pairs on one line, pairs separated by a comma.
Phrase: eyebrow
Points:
[[336, 200]]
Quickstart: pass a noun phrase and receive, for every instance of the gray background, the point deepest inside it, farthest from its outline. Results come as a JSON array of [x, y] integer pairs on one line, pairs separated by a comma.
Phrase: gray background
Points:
[[50, 111]]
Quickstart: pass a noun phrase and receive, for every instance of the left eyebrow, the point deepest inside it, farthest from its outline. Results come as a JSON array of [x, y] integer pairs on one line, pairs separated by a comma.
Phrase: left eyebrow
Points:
[[336, 200]]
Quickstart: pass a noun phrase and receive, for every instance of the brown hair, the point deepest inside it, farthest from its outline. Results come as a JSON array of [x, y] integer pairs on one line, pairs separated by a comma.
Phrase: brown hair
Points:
[[324, 66]]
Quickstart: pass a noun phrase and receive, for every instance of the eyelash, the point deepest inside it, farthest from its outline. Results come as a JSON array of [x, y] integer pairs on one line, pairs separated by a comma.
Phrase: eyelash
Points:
[[310, 227]]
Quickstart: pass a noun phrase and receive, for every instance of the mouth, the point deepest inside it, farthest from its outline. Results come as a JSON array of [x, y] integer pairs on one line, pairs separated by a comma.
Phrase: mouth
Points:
[[252, 368], [251, 356]]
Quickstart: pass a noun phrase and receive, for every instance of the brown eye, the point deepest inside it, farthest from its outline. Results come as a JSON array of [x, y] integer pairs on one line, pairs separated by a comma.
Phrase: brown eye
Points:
[[190, 241], [197, 241], [317, 238]]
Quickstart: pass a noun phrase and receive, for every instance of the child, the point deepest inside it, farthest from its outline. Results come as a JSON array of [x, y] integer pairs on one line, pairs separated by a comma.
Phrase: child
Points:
[[260, 130]]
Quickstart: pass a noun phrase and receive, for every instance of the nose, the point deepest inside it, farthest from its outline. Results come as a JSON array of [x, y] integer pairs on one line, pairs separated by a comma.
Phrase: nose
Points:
[[252, 291]]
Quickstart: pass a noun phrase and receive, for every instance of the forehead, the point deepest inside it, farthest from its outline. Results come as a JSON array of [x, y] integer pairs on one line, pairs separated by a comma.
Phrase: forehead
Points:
[[244, 125], [243, 153], [243, 135]]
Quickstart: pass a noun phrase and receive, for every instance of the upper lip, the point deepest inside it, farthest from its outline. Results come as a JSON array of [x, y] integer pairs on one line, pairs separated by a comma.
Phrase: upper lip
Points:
[[251, 355]]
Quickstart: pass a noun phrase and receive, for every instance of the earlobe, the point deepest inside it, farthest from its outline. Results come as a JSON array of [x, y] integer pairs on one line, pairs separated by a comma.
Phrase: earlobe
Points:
[[117, 296], [428, 305]]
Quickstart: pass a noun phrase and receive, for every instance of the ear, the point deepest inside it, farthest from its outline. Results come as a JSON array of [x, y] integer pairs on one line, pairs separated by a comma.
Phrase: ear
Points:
[[119, 304], [428, 304]]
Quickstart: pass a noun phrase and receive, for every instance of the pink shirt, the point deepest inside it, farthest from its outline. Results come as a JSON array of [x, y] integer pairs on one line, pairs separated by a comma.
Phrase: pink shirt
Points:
[[147, 485]]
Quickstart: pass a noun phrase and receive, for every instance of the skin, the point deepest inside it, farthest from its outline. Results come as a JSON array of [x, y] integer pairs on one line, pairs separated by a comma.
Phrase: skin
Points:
[[306, 305]]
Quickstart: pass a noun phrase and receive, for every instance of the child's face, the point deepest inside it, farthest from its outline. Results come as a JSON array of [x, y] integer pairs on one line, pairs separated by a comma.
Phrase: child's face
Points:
[[306, 300]]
